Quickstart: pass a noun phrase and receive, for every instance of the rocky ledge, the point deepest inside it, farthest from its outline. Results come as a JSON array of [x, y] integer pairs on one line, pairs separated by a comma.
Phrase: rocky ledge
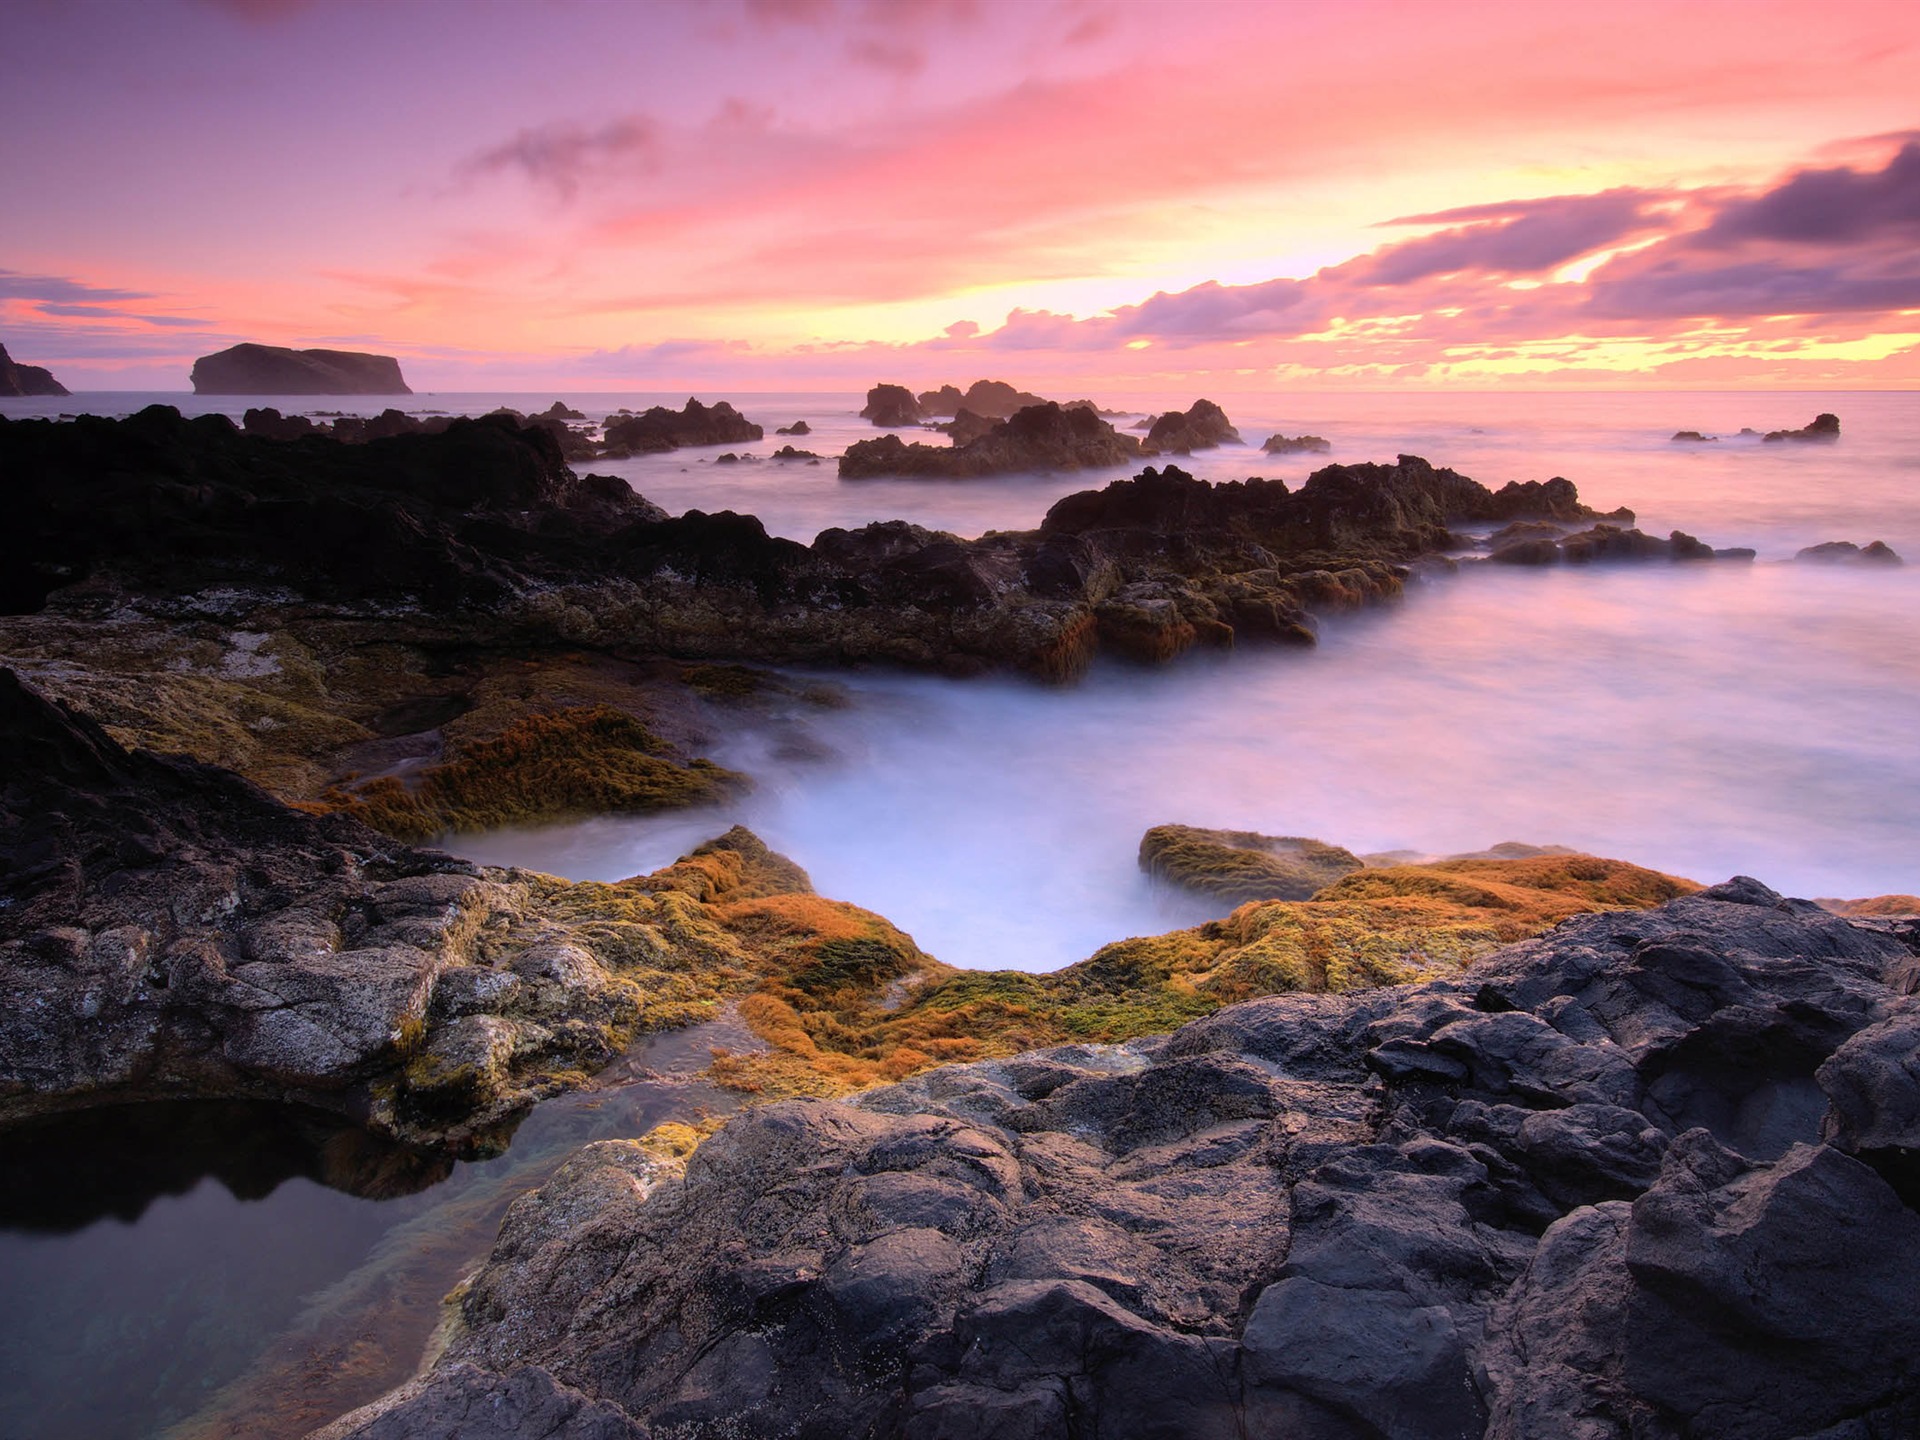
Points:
[[273, 370], [18, 379], [1650, 1175], [485, 525]]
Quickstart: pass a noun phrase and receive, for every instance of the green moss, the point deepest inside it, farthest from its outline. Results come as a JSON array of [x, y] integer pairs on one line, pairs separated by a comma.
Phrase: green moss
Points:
[[1240, 865]]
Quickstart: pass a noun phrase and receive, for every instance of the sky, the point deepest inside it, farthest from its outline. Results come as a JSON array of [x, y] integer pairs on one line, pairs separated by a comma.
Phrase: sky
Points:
[[1102, 196]]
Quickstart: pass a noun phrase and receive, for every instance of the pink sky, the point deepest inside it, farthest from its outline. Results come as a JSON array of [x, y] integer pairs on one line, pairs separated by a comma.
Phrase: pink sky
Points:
[[1106, 196]]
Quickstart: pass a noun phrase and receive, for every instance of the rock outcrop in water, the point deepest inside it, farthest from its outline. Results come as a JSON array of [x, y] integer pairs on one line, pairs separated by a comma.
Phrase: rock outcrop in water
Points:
[[1845, 552], [989, 399], [1296, 445], [1537, 543], [1202, 426], [1040, 437], [18, 379], [1649, 1175], [661, 429], [273, 370], [891, 405], [1239, 865], [484, 525], [1821, 427]]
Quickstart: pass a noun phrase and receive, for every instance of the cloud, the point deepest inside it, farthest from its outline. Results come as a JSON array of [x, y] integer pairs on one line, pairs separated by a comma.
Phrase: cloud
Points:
[[1828, 207], [892, 55], [565, 155], [790, 12], [1527, 237], [58, 288], [101, 312]]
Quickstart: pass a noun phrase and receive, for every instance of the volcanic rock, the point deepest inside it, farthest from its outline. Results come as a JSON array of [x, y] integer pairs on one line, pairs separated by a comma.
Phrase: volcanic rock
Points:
[[1693, 437], [1201, 427], [891, 405], [560, 410], [992, 399], [18, 379], [798, 427], [1513, 546], [1580, 1190], [1296, 445], [967, 427], [1240, 865], [1040, 437], [273, 370], [1845, 552], [1821, 427], [660, 429]]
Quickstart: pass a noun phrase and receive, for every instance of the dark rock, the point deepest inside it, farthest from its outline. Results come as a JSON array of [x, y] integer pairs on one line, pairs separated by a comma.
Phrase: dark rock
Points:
[[966, 427], [989, 399], [1845, 552], [1606, 543], [891, 405], [1201, 427], [1693, 437], [270, 423], [660, 429], [1821, 427], [273, 370], [787, 452], [1566, 1194], [1296, 445], [18, 379], [1041, 437], [560, 410], [799, 427]]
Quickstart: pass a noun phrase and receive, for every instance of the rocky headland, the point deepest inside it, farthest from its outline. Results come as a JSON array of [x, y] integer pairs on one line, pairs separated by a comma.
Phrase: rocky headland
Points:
[[274, 370], [18, 379], [1648, 1175]]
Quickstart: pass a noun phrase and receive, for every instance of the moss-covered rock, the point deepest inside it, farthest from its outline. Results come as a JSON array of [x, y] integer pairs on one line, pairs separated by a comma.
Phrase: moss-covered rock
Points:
[[1240, 865]]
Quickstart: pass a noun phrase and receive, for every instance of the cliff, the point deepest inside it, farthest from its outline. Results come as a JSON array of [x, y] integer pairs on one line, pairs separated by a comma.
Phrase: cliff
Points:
[[18, 379], [272, 370]]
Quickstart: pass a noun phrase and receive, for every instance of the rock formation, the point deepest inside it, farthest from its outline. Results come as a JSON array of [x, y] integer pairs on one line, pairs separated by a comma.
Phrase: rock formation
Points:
[[1649, 1175], [1845, 552], [273, 370], [1821, 427], [1693, 437], [1040, 437], [891, 405], [990, 399], [1239, 865], [798, 427], [1296, 445], [18, 379], [1535, 543], [484, 525], [1201, 427], [661, 429]]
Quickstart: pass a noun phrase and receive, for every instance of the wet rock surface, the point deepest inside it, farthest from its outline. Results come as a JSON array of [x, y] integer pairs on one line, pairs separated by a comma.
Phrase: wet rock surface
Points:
[[485, 526], [1636, 1177]]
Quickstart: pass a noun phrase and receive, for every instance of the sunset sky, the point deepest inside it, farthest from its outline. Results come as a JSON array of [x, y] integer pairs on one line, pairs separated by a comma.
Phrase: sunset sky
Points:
[[1102, 195]]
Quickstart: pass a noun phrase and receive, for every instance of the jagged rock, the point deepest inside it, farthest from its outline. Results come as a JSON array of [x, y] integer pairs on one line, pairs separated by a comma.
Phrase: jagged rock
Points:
[[1821, 427], [891, 405], [1239, 865], [967, 427], [274, 370], [18, 379], [1579, 1191], [990, 399], [1296, 445], [1514, 546], [788, 452], [1040, 437], [1845, 552], [560, 410], [660, 429], [799, 427], [1201, 427], [270, 423]]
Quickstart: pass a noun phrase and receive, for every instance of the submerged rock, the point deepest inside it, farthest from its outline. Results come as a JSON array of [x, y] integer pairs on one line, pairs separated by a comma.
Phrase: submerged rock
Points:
[[1515, 546], [1580, 1190], [18, 379], [1845, 552], [274, 370]]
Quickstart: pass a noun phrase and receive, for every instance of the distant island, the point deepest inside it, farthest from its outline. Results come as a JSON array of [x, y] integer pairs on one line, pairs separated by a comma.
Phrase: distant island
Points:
[[18, 379], [273, 370]]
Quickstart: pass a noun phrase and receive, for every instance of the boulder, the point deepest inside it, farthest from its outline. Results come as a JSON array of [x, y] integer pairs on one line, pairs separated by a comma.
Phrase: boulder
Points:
[[1296, 445], [798, 427], [892, 406], [1201, 427], [273, 370], [1845, 552], [659, 429], [18, 379], [1821, 427]]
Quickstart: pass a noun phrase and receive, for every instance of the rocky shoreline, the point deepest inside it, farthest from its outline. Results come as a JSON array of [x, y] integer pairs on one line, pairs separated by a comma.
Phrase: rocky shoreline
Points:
[[1336, 1164]]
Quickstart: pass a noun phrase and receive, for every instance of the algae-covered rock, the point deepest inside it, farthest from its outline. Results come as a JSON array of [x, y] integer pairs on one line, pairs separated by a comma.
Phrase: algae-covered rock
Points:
[[1238, 865], [1579, 1190]]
